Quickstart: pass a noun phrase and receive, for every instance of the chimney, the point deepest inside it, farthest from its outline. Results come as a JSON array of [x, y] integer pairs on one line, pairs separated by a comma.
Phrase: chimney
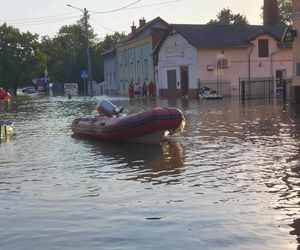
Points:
[[142, 22], [133, 29], [270, 12]]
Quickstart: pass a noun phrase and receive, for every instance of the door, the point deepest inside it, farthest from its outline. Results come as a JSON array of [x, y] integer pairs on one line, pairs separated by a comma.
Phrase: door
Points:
[[184, 79], [171, 75], [280, 75]]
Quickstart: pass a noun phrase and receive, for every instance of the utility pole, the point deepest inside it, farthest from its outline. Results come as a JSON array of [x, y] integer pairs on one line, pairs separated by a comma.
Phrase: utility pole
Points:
[[88, 51], [87, 44]]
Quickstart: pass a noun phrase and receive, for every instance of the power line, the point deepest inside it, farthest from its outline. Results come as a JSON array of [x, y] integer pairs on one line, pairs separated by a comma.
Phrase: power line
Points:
[[110, 11], [137, 7], [68, 16], [43, 21], [35, 18], [102, 26]]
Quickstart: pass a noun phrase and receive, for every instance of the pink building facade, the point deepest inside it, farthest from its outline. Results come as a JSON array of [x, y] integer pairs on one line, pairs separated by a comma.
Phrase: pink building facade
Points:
[[192, 56]]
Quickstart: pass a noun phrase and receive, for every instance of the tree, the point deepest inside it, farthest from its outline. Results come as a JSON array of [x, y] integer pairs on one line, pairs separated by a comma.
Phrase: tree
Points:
[[66, 52], [21, 57], [108, 42], [285, 10], [225, 17]]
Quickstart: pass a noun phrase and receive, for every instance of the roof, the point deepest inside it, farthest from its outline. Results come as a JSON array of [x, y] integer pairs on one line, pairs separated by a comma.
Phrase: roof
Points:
[[211, 36], [110, 50], [131, 36], [139, 30]]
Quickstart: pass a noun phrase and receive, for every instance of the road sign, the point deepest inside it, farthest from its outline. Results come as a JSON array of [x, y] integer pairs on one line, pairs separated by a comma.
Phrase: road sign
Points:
[[84, 74]]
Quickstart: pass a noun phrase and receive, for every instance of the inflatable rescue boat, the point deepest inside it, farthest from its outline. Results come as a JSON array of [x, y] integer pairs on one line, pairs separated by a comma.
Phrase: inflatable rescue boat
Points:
[[150, 126]]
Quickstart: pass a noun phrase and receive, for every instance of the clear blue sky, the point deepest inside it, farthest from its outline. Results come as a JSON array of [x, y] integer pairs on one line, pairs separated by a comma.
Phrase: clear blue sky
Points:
[[45, 17]]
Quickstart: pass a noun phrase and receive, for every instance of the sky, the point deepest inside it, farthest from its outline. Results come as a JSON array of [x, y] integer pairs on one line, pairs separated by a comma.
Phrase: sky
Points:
[[46, 17]]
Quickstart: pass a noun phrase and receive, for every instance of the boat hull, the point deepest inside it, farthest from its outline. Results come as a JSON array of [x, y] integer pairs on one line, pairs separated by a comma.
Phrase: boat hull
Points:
[[148, 127]]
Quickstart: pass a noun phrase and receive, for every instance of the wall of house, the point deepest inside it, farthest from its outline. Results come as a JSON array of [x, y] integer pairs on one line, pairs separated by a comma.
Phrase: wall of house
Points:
[[175, 53], [134, 63], [110, 80], [209, 71], [295, 89], [134, 57], [296, 46], [203, 66]]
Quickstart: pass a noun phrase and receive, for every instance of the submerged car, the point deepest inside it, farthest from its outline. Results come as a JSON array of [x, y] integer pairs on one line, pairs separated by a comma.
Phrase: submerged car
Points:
[[29, 90]]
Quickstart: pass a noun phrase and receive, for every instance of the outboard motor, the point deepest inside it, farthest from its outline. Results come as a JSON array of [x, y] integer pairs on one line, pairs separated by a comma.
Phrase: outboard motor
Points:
[[107, 108]]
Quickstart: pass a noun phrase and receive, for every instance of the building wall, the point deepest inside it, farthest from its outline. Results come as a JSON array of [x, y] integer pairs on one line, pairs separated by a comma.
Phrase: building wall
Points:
[[110, 75], [295, 89], [260, 67], [296, 49], [204, 68], [175, 53], [134, 63]]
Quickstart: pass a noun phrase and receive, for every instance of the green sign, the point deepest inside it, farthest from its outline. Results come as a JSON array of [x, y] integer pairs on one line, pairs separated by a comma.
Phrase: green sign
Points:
[[288, 36]]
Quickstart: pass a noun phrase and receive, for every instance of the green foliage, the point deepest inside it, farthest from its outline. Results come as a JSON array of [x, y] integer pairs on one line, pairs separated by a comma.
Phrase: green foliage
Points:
[[67, 53], [21, 57], [285, 9], [225, 17], [108, 42]]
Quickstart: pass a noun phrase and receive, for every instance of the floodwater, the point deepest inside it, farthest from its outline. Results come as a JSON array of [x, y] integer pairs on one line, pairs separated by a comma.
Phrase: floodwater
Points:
[[230, 180]]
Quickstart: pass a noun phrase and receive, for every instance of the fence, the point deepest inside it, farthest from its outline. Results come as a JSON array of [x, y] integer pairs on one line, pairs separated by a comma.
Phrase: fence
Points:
[[261, 88]]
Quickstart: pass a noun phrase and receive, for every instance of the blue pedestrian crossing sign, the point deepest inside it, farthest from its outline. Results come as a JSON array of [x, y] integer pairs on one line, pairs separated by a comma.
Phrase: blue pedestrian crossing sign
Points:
[[84, 74]]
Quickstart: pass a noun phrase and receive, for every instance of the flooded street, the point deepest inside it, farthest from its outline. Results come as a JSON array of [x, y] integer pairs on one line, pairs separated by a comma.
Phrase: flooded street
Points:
[[230, 180]]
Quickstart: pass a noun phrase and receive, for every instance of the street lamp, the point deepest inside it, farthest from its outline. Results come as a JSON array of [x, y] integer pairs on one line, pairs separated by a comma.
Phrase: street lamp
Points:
[[88, 52]]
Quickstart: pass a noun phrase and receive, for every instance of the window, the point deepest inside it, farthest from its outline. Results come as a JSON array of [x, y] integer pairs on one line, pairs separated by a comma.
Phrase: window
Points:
[[263, 48], [138, 70], [131, 71], [121, 72], [146, 76], [298, 69], [125, 72]]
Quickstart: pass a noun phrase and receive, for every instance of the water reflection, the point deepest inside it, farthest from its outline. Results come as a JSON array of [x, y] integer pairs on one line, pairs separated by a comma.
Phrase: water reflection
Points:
[[235, 171], [158, 164]]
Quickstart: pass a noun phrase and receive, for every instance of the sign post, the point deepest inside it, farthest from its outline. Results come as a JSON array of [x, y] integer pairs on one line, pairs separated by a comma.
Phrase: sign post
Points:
[[84, 75]]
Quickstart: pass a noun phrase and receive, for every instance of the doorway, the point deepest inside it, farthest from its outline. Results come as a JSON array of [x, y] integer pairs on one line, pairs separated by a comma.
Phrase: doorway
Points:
[[184, 79], [280, 76]]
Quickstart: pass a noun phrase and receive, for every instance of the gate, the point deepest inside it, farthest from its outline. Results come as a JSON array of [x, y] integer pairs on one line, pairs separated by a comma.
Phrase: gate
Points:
[[262, 88]]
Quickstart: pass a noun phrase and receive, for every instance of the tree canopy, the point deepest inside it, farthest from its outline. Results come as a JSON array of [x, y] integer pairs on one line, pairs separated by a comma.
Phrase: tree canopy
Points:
[[21, 57], [285, 10], [226, 17], [24, 56]]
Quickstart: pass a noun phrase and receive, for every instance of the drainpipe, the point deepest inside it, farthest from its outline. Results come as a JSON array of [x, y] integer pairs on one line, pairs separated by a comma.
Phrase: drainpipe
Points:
[[249, 68], [271, 68], [249, 64], [275, 52]]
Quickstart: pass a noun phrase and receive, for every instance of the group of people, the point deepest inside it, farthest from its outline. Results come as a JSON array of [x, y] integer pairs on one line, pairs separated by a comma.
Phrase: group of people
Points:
[[141, 90]]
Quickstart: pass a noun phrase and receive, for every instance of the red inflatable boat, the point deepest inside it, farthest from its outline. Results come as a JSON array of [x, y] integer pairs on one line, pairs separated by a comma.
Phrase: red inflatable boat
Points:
[[4, 95], [150, 126]]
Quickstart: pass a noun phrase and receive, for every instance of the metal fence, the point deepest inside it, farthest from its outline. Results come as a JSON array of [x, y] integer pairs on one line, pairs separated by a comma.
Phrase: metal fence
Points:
[[261, 88]]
